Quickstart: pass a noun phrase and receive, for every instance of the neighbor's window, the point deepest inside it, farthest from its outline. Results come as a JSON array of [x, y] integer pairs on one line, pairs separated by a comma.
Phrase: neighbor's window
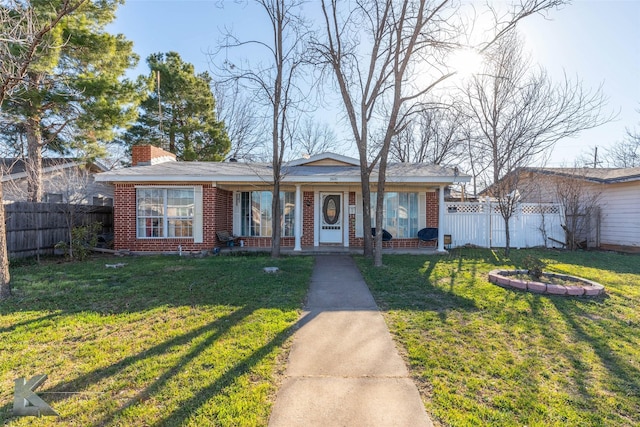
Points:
[[255, 213], [52, 198], [400, 214], [102, 201], [165, 212]]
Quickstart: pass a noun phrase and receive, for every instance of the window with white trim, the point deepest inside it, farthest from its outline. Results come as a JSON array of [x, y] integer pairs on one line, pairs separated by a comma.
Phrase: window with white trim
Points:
[[400, 214], [255, 213], [165, 212]]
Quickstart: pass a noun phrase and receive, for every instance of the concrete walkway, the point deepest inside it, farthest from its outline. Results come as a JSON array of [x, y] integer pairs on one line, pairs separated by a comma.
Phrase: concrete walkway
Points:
[[343, 368]]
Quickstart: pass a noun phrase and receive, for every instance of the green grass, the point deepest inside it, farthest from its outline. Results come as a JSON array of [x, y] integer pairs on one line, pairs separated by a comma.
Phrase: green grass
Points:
[[162, 341], [484, 355]]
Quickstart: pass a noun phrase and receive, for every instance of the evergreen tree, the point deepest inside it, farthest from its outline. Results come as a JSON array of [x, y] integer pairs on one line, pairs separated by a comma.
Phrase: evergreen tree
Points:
[[74, 95], [179, 113]]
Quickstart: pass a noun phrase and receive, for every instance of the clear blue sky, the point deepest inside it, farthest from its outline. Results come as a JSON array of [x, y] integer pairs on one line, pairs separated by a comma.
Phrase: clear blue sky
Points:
[[596, 40]]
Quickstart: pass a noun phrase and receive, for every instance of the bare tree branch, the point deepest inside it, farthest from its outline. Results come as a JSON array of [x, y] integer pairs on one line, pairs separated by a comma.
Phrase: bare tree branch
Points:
[[519, 114]]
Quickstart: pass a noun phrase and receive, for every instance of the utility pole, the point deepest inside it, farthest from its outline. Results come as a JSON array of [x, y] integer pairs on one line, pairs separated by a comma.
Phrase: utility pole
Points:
[[595, 157]]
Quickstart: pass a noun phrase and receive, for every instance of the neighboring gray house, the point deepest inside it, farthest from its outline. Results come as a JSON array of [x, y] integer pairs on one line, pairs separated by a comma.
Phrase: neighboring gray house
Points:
[[64, 180], [618, 191]]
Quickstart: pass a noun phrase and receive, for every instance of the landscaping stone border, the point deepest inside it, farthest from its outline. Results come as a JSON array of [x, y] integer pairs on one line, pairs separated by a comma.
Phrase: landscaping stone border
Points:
[[583, 287]]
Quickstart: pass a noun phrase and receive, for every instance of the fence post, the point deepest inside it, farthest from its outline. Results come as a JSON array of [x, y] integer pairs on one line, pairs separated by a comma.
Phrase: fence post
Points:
[[517, 231], [488, 214]]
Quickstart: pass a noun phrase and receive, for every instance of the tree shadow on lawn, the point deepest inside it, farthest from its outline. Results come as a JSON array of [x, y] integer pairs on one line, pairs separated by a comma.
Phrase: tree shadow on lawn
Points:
[[123, 291], [599, 334], [188, 407], [614, 262], [191, 405], [14, 326], [145, 283], [243, 366], [408, 285], [458, 282]]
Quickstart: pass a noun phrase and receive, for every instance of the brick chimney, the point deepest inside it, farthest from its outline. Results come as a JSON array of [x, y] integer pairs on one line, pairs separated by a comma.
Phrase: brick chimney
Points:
[[144, 155]]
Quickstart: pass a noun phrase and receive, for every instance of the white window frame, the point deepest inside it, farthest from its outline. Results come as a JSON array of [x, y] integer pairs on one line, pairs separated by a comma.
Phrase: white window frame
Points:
[[195, 217], [265, 229], [421, 212]]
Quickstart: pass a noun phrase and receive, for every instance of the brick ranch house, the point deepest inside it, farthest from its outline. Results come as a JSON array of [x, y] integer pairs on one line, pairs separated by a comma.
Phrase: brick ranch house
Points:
[[161, 204]]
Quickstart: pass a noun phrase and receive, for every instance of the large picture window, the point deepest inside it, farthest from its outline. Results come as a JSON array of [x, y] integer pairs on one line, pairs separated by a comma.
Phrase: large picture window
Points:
[[165, 212], [400, 214], [255, 213]]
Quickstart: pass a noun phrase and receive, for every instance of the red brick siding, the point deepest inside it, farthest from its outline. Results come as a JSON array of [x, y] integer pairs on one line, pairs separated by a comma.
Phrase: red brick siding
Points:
[[124, 212], [308, 228], [144, 154], [218, 215], [124, 216], [352, 221], [432, 209], [266, 242]]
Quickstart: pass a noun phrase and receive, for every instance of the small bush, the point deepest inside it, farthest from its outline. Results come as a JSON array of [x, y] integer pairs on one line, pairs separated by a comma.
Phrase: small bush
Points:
[[83, 239], [535, 266]]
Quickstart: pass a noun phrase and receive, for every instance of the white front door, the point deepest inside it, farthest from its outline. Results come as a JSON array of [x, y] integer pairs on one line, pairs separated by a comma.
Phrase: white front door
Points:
[[331, 218]]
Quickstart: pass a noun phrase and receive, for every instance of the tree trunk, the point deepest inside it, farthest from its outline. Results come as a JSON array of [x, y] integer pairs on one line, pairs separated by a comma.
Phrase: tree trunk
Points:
[[34, 159], [377, 253], [5, 278], [507, 236], [366, 216], [276, 228], [382, 172]]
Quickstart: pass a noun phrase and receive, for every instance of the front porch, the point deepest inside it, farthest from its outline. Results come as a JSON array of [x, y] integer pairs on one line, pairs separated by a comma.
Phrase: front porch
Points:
[[331, 250], [287, 251]]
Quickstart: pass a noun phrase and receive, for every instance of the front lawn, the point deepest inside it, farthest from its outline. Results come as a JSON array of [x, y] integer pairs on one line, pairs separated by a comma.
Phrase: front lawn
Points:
[[484, 355], [160, 341]]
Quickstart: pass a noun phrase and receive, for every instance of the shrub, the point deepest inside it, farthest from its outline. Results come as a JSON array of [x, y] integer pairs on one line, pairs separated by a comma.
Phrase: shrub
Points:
[[83, 239], [535, 266]]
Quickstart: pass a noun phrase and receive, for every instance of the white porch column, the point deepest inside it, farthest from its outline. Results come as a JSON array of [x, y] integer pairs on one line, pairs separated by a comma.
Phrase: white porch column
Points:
[[297, 232], [441, 219], [345, 220]]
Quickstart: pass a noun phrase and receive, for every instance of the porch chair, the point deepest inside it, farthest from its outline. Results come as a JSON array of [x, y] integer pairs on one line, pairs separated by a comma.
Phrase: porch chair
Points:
[[226, 237], [386, 236], [428, 234]]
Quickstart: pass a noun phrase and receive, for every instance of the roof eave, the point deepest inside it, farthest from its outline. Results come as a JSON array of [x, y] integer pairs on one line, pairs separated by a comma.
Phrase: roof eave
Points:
[[287, 179]]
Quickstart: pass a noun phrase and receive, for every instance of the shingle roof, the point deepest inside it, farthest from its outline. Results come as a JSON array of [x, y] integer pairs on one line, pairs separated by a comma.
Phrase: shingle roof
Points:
[[262, 172], [603, 175], [12, 165]]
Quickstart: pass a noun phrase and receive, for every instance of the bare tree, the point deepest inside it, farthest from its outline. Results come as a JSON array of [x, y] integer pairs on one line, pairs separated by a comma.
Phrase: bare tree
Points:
[[74, 185], [275, 85], [241, 120], [313, 138], [626, 153], [21, 35], [377, 52], [580, 204], [436, 136], [519, 114]]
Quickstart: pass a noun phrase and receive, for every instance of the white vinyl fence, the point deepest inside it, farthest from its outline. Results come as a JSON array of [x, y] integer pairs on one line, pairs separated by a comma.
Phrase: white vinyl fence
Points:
[[481, 224]]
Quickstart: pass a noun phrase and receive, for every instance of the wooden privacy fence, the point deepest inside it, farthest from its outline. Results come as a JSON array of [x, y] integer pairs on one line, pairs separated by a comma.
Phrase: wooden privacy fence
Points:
[[481, 224], [34, 228]]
